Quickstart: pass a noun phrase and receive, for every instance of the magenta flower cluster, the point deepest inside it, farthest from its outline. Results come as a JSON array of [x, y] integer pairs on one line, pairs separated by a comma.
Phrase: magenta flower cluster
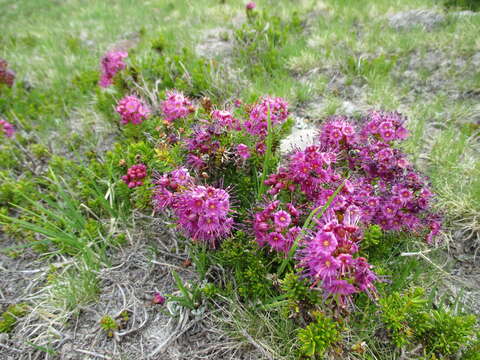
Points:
[[6, 128], [338, 132], [277, 227], [135, 175], [158, 299], [111, 63], [275, 108], [7, 76], [308, 171], [328, 257], [203, 144], [243, 151], [250, 5], [202, 212], [384, 126], [225, 119], [383, 189], [176, 106], [132, 110], [391, 192]]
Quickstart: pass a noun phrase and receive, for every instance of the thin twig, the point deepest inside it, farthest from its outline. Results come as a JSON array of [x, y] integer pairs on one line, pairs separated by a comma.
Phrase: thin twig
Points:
[[91, 353], [10, 348]]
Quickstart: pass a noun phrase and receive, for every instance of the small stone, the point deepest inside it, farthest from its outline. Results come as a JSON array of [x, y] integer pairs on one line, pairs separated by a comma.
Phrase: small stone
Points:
[[4, 338], [215, 42], [409, 19], [349, 108], [476, 59], [302, 135]]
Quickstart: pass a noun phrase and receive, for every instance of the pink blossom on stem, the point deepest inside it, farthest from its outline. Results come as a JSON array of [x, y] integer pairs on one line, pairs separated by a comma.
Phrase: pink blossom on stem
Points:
[[7, 76], [202, 212], [158, 299], [275, 108], [111, 63], [132, 110], [6, 128], [243, 151], [176, 106], [135, 175]]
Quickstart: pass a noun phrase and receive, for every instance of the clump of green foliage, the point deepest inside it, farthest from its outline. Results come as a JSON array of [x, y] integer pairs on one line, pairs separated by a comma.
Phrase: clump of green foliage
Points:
[[10, 317], [473, 5], [262, 40], [372, 236], [298, 293], [318, 337], [445, 333], [410, 320], [182, 70], [250, 272], [400, 312]]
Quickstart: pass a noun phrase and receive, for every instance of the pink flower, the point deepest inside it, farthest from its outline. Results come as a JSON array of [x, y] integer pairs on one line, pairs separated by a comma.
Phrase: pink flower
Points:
[[181, 176], [389, 210], [214, 207], [176, 106], [134, 176], [208, 223], [387, 134], [203, 213], [251, 5], [260, 148], [111, 64], [224, 118], [326, 267], [7, 76], [405, 194], [7, 128], [276, 241], [340, 287], [325, 242], [243, 151], [132, 110], [158, 299], [435, 227], [282, 219], [275, 108]]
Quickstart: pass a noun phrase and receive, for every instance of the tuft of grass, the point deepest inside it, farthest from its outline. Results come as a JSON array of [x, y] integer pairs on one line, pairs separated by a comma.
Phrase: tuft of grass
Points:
[[10, 317]]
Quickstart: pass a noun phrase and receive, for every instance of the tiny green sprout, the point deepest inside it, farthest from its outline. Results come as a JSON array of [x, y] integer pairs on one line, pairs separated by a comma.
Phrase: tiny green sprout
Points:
[[210, 290], [125, 315], [108, 324], [123, 319]]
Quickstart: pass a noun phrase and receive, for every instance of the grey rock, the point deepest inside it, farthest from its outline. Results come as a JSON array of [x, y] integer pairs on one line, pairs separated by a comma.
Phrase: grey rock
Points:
[[3, 338], [349, 108], [303, 134], [215, 42], [409, 19], [476, 59]]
